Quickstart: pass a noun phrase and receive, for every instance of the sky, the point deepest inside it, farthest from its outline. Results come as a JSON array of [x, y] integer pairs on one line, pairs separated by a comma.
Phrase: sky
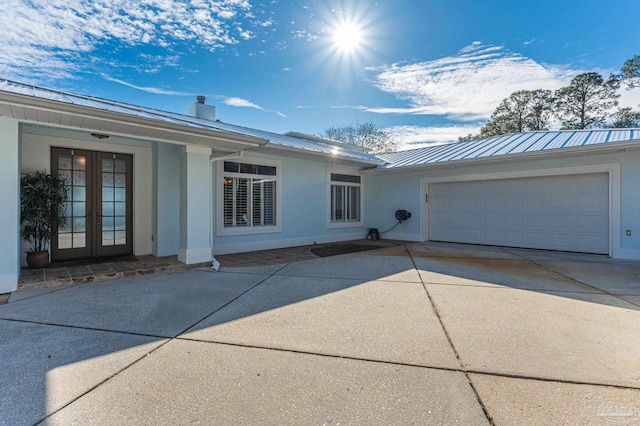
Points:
[[427, 70]]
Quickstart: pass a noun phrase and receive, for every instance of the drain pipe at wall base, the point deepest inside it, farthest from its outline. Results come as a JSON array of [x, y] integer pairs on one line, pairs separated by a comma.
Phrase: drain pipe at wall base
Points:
[[215, 264]]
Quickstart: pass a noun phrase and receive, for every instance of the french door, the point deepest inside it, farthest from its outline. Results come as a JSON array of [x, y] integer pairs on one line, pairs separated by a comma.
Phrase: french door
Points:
[[99, 210]]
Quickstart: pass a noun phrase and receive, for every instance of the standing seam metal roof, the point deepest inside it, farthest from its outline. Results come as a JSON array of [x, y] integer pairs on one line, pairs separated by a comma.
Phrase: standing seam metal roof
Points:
[[518, 143]]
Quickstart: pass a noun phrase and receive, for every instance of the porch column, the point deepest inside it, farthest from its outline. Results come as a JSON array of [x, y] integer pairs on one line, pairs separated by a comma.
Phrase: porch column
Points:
[[195, 205], [10, 205]]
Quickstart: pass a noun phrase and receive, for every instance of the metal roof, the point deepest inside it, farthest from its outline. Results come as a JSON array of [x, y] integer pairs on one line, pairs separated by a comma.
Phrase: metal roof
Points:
[[186, 122], [509, 145]]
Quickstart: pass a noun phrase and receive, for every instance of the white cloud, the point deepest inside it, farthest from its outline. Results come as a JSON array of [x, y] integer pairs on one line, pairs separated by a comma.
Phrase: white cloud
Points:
[[154, 90], [239, 102], [467, 86], [47, 38], [629, 98], [244, 103], [304, 35], [410, 137]]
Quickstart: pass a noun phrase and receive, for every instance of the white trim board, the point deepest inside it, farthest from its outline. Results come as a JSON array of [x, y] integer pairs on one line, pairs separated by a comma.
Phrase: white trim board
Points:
[[613, 169]]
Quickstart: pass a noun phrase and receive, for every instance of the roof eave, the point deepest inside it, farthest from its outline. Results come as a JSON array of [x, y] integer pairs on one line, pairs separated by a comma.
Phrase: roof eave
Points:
[[208, 136], [336, 157]]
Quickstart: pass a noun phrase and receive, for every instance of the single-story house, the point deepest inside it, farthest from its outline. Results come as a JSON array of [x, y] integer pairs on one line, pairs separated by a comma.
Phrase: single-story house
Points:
[[150, 182]]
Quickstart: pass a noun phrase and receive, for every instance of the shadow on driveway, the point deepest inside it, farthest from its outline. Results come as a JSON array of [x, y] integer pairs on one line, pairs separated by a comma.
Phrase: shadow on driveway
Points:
[[444, 307]]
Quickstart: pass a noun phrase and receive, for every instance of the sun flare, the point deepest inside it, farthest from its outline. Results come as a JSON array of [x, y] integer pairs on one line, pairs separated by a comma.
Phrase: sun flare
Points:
[[347, 36]]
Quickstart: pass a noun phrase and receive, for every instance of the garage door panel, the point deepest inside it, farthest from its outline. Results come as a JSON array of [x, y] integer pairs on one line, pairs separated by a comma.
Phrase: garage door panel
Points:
[[514, 203], [562, 221], [514, 238], [595, 182], [535, 221], [553, 212], [587, 223], [475, 236], [473, 203], [592, 201], [562, 202], [492, 219], [536, 202], [593, 241]]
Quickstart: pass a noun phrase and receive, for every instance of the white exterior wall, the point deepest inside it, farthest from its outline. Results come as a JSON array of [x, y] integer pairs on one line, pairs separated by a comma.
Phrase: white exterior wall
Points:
[[305, 207], [36, 155], [387, 192], [10, 205], [166, 193]]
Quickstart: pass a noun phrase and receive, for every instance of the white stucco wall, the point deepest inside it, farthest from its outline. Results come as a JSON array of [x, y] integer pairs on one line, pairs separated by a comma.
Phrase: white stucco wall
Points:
[[166, 192], [304, 208], [36, 143], [10, 205], [386, 192]]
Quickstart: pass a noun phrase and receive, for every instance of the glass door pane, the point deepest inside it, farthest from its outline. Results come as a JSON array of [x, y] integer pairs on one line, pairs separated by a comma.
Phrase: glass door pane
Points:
[[73, 239], [115, 233]]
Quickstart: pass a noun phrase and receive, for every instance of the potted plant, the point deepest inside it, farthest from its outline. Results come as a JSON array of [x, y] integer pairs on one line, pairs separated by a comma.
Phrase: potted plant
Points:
[[43, 199]]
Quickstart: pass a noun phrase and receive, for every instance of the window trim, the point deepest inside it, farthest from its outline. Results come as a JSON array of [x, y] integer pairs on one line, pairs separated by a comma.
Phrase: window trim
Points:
[[221, 230], [345, 224]]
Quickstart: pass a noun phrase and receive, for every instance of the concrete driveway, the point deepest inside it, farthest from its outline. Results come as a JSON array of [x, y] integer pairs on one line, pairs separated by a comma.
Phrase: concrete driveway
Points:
[[415, 334]]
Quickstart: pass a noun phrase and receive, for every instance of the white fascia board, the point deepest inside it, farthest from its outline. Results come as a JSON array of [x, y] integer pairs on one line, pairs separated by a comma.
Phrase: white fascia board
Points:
[[323, 155]]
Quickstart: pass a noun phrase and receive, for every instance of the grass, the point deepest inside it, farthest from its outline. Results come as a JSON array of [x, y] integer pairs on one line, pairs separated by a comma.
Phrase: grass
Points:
[[336, 249]]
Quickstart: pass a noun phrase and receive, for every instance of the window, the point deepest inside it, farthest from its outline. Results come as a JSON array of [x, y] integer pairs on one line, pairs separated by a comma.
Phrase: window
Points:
[[249, 198], [345, 198]]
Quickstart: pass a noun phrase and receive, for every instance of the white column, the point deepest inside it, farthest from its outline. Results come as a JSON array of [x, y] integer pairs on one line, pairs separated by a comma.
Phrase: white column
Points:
[[10, 205], [195, 213]]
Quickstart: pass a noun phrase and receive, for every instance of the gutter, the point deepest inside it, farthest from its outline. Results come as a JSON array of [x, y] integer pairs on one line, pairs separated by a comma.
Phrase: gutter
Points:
[[232, 156]]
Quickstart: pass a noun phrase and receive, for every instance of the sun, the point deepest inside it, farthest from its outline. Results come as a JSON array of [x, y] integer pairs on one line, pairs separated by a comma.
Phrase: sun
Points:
[[347, 37]]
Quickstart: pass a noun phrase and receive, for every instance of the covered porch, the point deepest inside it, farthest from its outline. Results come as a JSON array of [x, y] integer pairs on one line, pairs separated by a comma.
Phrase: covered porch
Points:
[[171, 182]]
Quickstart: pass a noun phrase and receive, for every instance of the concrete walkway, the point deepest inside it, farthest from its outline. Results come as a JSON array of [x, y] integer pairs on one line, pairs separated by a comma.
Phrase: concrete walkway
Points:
[[413, 334]]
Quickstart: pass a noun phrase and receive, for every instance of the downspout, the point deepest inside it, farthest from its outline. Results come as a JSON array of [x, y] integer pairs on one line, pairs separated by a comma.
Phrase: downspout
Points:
[[215, 264]]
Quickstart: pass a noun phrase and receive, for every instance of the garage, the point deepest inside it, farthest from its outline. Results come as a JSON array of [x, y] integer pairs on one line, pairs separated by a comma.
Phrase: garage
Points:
[[567, 213]]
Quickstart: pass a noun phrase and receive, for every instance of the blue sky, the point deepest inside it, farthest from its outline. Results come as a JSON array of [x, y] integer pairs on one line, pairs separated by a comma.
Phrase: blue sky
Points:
[[428, 70]]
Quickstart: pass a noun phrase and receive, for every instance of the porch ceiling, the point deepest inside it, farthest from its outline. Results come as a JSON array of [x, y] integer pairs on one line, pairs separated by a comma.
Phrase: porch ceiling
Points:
[[36, 110]]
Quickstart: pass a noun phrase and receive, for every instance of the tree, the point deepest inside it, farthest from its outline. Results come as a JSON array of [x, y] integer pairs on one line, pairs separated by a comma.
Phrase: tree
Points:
[[469, 137], [540, 106], [631, 72], [524, 110], [586, 102], [625, 118], [366, 135]]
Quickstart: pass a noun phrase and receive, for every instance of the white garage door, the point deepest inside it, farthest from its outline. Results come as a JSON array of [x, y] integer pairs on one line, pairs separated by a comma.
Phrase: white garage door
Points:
[[568, 213]]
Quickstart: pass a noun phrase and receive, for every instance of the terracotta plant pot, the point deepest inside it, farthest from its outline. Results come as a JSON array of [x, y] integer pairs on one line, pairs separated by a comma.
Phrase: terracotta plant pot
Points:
[[38, 259]]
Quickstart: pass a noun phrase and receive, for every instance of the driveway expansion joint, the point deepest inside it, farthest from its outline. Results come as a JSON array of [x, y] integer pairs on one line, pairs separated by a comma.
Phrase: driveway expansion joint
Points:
[[546, 268], [485, 410], [232, 300], [79, 327]]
